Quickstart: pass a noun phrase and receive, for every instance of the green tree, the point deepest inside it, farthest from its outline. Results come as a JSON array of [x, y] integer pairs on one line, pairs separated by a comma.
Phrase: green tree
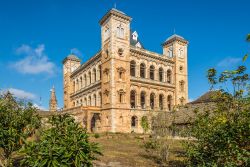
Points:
[[223, 134], [19, 120], [145, 124], [63, 143]]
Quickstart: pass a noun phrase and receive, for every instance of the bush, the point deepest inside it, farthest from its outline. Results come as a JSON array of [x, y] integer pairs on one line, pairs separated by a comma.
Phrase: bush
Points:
[[64, 144], [19, 120], [223, 134]]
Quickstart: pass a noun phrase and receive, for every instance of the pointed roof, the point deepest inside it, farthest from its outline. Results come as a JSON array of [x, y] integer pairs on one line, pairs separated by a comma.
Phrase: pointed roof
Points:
[[175, 37], [135, 42], [71, 57], [114, 12], [53, 100]]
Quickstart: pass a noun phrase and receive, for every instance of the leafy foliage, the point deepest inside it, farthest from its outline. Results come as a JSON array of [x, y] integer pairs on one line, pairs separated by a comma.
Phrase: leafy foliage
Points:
[[65, 143], [145, 124], [248, 37], [19, 120], [223, 134]]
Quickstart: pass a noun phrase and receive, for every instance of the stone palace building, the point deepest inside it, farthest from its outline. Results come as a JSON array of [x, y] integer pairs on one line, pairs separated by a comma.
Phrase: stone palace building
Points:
[[123, 82]]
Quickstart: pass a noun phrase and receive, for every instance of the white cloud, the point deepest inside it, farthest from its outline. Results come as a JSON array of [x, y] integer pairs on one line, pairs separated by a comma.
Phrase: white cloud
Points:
[[21, 94], [190, 100], [40, 107], [229, 61], [76, 52], [34, 62]]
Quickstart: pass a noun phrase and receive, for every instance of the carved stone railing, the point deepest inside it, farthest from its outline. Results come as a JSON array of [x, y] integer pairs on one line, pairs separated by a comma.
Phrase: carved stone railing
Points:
[[151, 82]]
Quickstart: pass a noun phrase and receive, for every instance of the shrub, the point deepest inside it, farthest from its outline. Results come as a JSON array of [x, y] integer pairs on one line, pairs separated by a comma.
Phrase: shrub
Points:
[[19, 120], [64, 144], [145, 124], [97, 135]]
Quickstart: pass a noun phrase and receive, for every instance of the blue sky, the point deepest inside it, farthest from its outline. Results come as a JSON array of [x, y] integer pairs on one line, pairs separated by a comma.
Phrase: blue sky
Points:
[[36, 35]]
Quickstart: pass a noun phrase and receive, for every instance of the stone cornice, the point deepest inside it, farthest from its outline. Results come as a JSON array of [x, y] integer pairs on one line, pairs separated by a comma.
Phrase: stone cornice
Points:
[[86, 64], [114, 12], [150, 54]]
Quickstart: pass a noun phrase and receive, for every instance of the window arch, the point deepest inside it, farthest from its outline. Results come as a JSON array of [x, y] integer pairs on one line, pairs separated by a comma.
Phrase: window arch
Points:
[[94, 100], [134, 121], [161, 74], [161, 101], [100, 72], [100, 99], [169, 102], [121, 94], [90, 77], [77, 85], [85, 80], [152, 101], [143, 100], [132, 68], [81, 82], [132, 99], [94, 75], [142, 70], [120, 31], [74, 86], [152, 72], [85, 101], [169, 76], [182, 83], [89, 100]]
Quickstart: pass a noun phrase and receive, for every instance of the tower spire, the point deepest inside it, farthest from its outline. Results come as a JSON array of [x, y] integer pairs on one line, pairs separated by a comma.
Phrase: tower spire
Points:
[[53, 100]]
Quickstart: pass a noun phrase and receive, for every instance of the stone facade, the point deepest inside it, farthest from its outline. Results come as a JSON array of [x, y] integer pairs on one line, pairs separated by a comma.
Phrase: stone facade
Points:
[[124, 81]]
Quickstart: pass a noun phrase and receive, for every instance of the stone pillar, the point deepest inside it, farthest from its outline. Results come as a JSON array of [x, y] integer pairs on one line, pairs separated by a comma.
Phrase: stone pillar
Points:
[[138, 100]]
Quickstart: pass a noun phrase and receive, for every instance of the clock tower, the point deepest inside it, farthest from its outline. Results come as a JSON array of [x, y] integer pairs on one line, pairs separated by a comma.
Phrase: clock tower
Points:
[[70, 64]]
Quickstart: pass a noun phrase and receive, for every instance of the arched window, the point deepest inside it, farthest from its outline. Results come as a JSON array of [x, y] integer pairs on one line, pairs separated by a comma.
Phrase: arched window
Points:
[[85, 80], [90, 78], [132, 68], [169, 76], [169, 102], [132, 98], [182, 86], [152, 101], [94, 74], [85, 101], [161, 74], [100, 72], [81, 102], [74, 86], [143, 98], [142, 70], [80, 82], [152, 72], [94, 100], [161, 102], [89, 100], [134, 121], [100, 98], [77, 85], [120, 31], [121, 94]]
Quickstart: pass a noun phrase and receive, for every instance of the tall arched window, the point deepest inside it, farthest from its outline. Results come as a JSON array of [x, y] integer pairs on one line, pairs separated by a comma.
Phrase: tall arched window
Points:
[[74, 86], [134, 121], [152, 72], [142, 70], [169, 76], [100, 98], [152, 101], [182, 86], [143, 98], [89, 100], [77, 85], [161, 74], [132, 68], [132, 98], [94, 74], [85, 101], [161, 102], [169, 102], [120, 31], [85, 80], [81, 82], [100, 72], [90, 81], [94, 100]]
